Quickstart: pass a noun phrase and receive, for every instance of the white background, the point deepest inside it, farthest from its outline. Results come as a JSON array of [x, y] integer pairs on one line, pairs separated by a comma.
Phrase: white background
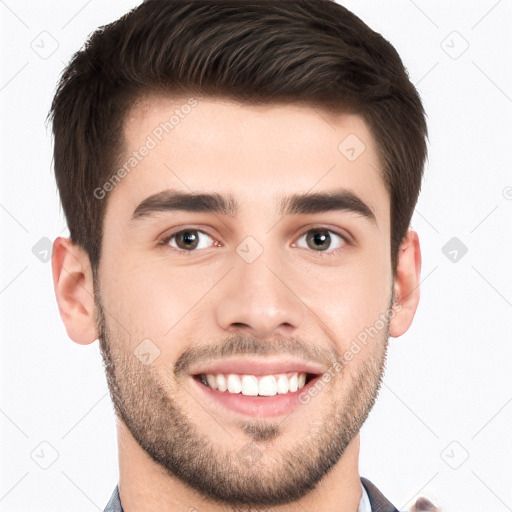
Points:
[[442, 424]]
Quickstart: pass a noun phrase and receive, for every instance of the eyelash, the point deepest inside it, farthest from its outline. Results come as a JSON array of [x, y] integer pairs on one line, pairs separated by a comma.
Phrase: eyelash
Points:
[[165, 242]]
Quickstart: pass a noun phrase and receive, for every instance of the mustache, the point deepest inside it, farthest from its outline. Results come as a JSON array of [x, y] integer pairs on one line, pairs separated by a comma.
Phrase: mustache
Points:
[[239, 345]]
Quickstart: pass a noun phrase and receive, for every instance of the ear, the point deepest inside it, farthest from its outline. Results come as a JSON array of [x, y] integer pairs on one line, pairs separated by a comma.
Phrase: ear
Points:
[[406, 287], [74, 290]]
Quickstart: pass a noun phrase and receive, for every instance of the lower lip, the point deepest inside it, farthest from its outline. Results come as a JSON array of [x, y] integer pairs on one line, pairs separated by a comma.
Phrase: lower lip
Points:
[[257, 406]]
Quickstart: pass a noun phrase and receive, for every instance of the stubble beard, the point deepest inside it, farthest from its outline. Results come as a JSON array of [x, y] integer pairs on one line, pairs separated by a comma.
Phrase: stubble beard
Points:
[[152, 413]]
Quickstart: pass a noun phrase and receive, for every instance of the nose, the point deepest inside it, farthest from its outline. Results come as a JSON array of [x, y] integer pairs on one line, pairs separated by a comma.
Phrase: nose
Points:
[[259, 298]]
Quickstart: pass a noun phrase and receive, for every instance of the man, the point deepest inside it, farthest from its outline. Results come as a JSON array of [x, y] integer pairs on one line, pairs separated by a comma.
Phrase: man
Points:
[[238, 179]]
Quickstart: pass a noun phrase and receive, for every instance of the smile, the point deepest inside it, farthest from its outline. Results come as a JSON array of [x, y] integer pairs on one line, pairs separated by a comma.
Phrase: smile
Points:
[[262, 395], [252, 385]]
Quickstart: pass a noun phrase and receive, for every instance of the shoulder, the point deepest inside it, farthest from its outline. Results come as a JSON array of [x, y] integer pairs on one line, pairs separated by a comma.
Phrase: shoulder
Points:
[[378, 501], [114, 504]]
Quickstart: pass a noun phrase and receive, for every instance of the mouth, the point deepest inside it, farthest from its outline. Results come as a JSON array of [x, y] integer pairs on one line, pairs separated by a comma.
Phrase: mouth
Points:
[[255, 388], [256, 385]]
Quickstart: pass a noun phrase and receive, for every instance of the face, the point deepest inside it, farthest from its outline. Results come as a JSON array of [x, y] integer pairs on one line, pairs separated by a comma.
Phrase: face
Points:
[[277, 278]]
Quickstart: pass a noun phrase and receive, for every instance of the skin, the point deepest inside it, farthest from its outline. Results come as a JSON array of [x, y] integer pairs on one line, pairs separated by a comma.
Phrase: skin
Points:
[[172, 442]]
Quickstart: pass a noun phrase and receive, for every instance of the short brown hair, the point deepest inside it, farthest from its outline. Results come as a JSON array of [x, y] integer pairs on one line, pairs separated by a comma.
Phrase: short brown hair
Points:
[[277, 51]]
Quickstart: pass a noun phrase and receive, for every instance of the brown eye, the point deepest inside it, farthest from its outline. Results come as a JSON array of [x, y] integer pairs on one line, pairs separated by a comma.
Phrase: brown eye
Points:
[[188, 240], [322, 240]]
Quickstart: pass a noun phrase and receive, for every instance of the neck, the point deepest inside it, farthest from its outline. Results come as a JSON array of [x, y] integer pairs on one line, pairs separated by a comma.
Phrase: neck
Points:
[[144, 486]]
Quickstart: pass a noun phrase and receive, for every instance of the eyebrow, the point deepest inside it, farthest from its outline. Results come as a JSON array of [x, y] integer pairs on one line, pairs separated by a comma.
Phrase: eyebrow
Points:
[[227, 205]]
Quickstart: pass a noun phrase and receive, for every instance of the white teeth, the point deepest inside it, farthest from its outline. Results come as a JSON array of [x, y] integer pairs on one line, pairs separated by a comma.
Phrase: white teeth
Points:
[[212, 381], [268, 386], [282, 385], [222, 385], [251, 385], [294, 383], [234, 384]]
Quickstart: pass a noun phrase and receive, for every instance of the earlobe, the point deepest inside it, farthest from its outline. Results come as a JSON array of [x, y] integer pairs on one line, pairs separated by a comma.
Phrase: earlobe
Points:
[[74, 290], [406, 285]]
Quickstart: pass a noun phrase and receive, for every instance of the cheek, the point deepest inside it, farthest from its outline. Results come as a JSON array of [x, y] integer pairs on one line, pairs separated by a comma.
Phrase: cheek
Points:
[[156, 301], [356, 298]]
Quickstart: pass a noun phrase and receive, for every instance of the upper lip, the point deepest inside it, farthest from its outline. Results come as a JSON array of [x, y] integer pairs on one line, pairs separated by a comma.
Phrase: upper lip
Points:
[[253, 366]]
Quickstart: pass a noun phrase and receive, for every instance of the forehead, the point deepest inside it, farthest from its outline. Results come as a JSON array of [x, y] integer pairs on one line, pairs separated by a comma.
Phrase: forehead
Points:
[[258, 154]]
